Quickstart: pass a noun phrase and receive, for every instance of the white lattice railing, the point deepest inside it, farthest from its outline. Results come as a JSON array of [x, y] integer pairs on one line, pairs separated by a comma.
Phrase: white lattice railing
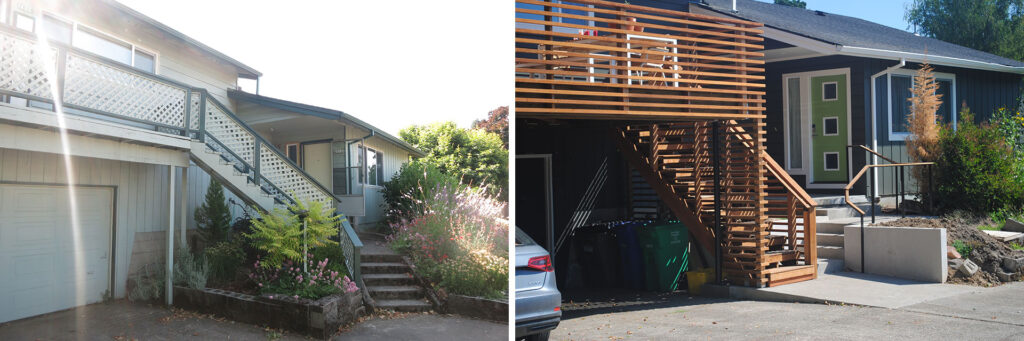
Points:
[[108, 88]]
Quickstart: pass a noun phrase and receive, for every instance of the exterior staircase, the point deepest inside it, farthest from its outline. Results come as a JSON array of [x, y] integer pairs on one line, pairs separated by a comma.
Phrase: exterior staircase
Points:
[[767, 220], [389, 280], [221, 144]]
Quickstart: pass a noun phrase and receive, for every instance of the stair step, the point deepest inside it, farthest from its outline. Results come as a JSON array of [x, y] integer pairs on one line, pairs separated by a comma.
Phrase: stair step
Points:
[[411, 306], [381, 258], [388, 279], [396, 292], [830, 239], [831, 252], [384, 268]]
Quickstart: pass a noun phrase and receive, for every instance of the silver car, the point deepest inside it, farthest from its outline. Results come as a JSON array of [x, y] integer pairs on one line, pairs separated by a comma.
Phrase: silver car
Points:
[[538, 302]]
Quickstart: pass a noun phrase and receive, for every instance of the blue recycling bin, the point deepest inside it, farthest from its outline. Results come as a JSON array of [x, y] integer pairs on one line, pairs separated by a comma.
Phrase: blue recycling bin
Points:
[[631, 254]]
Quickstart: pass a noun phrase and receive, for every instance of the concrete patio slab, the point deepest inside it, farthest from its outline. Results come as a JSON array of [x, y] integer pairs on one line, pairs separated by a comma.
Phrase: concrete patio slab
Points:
[[855, 288]]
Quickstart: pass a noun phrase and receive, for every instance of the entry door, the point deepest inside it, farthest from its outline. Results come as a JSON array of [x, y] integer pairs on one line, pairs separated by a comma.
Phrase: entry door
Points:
[[829, 133], [42, 267], [316, 160]]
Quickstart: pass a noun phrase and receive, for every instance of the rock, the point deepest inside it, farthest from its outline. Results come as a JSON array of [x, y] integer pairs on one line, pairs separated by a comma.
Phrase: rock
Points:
[[1013, 225], [951, 253], [968, 268], [1013, 264]]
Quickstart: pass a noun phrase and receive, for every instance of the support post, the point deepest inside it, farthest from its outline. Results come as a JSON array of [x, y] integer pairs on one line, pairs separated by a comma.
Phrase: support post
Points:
[[871, 181], [931, 190], [903, 191], [184, 207], [862, 265], [715, 157], [169, 278]]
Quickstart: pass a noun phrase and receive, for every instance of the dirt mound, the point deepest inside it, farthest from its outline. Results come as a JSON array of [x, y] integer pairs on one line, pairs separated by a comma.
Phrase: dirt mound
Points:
[[986, 251]]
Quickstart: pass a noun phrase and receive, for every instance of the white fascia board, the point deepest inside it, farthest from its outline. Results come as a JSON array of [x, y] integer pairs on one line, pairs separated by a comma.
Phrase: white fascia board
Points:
[[932, 59]]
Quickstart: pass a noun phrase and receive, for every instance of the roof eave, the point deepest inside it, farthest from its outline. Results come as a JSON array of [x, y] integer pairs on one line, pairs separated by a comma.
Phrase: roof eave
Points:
[[931, 59], [245, 70], [324, 113]]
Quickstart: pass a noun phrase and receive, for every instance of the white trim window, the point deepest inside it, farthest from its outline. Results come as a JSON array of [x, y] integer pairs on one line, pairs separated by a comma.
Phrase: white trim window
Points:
[[68, 32], [829, 91], [830, 126], [830, 161], [899, 84], [374, 167], [4, 4]]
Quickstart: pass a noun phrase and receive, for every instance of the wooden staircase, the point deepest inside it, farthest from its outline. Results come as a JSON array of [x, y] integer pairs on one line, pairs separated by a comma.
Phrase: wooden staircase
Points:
[[767, 220]]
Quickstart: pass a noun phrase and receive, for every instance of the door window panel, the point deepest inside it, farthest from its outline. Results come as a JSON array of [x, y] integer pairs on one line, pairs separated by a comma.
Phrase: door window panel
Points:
[[795, 131]]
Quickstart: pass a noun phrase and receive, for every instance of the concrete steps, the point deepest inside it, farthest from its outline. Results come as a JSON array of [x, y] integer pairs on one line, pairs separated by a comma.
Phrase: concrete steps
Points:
[[390, 283]]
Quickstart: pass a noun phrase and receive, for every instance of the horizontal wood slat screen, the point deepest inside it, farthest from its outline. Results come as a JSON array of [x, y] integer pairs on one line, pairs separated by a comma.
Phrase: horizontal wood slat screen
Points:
[[592, 59]]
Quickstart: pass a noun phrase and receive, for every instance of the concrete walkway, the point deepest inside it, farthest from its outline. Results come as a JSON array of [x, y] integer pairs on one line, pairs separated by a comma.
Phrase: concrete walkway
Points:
[[859, 289], [123, 320]]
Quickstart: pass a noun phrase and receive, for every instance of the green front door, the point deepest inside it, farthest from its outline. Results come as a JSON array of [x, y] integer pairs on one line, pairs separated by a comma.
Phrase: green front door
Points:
[[829, 134]]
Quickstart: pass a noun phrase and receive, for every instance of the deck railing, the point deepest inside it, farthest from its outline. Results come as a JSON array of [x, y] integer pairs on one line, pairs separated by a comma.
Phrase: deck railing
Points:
[[592, 58], [93, 85]]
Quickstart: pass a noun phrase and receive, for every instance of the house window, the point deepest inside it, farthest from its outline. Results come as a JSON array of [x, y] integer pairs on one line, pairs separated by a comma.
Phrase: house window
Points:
[[57, 30], [829, 91], [831, 161], [900, 97], [24, 22], [945, 112], [291, 151], [3, 11], [374, 167], [554, 17], [103, 45], [795, 126], [144, 61], [831, 125]]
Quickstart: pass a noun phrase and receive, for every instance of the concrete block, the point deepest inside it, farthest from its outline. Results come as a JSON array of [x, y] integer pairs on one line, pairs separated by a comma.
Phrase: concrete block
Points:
[[902, 252], [968, 268], [1013, 264], [1013, 225], [1005, 276]]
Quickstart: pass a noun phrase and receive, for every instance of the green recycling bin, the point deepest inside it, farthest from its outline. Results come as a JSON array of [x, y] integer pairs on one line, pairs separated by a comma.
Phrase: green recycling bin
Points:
[[666, 255]]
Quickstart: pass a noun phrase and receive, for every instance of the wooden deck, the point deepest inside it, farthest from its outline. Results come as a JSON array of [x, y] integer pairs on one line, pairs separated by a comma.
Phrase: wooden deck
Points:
[[606, 60]]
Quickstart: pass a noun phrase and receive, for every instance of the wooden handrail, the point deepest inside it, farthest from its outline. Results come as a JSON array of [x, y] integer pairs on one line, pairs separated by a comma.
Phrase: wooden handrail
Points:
[[788, 182], [846, 190]]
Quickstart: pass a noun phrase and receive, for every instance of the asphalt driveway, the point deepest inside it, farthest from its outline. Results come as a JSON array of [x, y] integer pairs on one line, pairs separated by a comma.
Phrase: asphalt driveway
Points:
[[122, 320]]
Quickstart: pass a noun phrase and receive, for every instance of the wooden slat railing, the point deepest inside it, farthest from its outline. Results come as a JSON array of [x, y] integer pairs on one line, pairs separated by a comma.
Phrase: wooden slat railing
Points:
[[607, 60]]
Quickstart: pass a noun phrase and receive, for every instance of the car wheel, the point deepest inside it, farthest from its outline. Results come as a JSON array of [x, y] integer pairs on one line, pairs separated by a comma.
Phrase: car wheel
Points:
[[539, 337]]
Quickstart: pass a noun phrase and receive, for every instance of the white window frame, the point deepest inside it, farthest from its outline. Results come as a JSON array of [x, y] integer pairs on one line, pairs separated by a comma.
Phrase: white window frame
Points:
[[902, 136], [824, 162], [4, 7], [823, 99], [824, 132], [379, 154], [77, 26]]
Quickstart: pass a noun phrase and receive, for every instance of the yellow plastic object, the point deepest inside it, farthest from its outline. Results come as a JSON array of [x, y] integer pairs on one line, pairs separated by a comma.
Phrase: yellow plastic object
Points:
[[696, 279]]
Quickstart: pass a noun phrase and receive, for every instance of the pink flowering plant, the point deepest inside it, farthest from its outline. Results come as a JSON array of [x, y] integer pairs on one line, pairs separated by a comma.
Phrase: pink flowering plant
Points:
[[289, 280], [457, 238]]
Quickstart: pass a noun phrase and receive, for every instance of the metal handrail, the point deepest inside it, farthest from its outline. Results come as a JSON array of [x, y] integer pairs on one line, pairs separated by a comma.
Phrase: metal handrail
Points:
[[872, 151], [846, 195]]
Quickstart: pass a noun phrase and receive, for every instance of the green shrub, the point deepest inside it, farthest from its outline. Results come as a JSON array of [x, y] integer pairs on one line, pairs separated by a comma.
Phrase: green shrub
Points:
[[478, 274], [148, 283], [190, 270], [224, 260], [962, 247], [213, 217], [290, 280], [976, 169], [406, 189], [335, 256], [279, 234]]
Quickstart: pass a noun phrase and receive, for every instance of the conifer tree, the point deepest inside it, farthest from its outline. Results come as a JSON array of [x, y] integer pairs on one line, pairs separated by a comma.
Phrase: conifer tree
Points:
[[213, 217]]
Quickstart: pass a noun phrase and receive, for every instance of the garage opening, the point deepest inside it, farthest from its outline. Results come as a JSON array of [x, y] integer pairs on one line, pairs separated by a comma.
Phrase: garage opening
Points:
[[37, 251]]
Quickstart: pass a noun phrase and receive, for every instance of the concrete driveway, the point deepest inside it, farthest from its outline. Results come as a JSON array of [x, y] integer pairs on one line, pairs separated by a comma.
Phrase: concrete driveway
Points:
[[996, 313], [122, 320]]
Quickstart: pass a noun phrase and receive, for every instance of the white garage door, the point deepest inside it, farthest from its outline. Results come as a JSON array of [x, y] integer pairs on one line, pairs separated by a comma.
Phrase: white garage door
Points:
[[37, 249]]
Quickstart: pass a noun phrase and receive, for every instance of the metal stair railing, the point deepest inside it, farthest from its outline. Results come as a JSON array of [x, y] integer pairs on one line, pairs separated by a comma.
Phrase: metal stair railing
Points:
[[85, 83]]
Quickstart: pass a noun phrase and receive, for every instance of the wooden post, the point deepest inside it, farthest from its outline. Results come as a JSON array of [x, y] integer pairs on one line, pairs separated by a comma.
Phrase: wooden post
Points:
[[169, 282], [811, 240], [184, 206]]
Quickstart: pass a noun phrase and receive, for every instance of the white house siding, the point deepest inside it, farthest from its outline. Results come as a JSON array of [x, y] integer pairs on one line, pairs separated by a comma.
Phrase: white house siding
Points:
[[141, 207], [394, 157], [175, 59]]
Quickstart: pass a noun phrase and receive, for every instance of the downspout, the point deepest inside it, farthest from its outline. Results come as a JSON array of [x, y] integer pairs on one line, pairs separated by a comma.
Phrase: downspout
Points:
[[874, 119]]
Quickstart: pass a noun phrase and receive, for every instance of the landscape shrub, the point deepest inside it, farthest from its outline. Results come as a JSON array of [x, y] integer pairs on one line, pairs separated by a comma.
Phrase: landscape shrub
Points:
[[279, 234], [335, 254], [457, 240], [976, 169], [190, 270], [290, 280], [224, 260], [406, 188], [213, 217]]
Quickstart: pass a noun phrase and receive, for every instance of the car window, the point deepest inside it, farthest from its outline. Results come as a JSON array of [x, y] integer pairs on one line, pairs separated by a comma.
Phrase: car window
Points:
[[522, 238]]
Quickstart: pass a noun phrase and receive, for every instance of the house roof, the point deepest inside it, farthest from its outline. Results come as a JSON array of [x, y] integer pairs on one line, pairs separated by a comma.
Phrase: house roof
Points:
[[321, 112], [861, 37], [244, 70]]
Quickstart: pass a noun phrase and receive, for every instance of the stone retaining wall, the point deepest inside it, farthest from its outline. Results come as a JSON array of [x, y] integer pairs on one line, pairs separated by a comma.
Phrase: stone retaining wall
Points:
[[477, 307], [320, 318]]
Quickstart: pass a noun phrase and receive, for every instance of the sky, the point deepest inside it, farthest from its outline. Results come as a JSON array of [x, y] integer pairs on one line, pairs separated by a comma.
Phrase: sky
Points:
[[388, 63], [885, 12]]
